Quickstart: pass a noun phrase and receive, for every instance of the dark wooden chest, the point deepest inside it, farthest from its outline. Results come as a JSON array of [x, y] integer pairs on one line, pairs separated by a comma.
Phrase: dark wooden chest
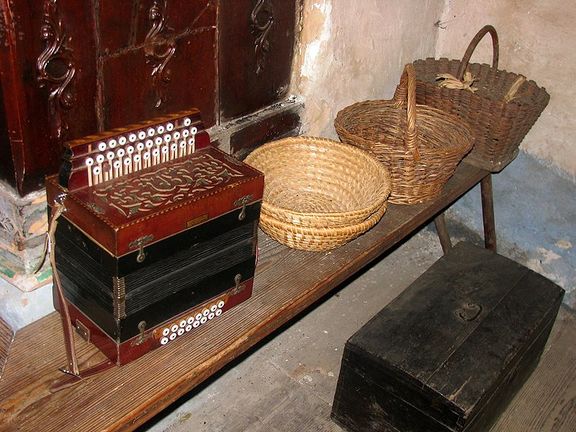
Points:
[[450, 352]]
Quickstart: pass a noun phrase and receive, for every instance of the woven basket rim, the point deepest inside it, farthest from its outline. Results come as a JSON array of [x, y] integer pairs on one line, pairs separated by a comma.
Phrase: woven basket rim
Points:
[[327, 231], [329, 143]]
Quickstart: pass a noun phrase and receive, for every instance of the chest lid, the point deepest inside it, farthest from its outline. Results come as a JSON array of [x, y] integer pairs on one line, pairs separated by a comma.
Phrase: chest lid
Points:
[[448, 342]]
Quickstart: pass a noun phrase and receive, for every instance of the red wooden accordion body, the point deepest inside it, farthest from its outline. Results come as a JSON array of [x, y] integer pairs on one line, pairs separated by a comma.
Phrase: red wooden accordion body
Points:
[[158, 235]]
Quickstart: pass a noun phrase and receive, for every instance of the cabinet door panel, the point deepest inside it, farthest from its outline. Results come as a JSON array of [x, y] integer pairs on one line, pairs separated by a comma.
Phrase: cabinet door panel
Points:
[[168, 70], [256, 45], [126, 25], [48, 77]]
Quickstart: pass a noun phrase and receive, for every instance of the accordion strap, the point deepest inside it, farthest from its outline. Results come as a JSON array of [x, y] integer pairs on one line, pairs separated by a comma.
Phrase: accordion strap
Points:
[[57, 210]]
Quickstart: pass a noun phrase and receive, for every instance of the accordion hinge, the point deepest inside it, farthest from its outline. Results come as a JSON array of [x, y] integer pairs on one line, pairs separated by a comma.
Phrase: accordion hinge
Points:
[[119, 287]]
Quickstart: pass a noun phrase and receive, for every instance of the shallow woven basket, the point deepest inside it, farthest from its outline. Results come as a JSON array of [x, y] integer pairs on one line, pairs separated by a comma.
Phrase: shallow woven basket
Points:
[[319, 194], [420, 145], [316, 182], [501, 111], [317, 239]]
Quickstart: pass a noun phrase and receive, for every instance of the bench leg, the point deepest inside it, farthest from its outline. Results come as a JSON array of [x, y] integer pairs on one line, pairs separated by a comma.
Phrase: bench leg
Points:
[[488, 213], [442, 230]]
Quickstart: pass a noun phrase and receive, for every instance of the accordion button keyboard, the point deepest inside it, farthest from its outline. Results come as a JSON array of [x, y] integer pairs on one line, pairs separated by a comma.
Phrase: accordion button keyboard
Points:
[[175, 329]]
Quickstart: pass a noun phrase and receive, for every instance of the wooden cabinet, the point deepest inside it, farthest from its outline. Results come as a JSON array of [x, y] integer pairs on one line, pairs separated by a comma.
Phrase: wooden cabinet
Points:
[[69, 68], [256, 47]]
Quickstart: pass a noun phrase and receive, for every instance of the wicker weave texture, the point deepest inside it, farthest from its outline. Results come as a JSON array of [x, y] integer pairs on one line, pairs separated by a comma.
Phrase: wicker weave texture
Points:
[[319, 193], [499, 126], [421, 146]]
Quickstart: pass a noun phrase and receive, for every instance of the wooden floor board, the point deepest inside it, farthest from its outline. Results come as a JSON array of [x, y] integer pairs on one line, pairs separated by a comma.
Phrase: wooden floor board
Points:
[[6, 338], [547, 401]]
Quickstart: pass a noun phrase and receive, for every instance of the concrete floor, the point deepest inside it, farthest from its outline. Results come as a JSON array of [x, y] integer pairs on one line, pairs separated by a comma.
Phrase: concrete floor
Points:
[[287, 383]]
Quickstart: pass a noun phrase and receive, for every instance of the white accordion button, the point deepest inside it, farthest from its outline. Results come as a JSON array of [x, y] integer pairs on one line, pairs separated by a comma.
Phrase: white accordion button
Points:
[[141, 135], [187, 122], [102, 146], [188, 327], [158, 140], [169, 127], [89, 162], [218, 312], [166, 332], [176, 135], [198, 316], [129, 150], [203, 320], [100, 158], [190, 320], [121, 152], [122, 140], [196, 324], [132, 137], [211, 315], [151, 132], [221, 304], [205, 312], [183, 323], [174, 327], [164, 341], [180, 331], [112, 143], [213, 308], [173, 336], [194, 130], [160, 129], [185, 133]]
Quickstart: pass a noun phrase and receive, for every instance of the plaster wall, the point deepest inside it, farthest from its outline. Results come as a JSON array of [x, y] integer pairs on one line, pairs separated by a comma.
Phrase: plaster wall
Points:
[[536, 40], [355, 50]]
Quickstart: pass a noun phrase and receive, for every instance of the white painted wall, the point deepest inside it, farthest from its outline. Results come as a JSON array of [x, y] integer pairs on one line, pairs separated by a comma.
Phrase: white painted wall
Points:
[[537, 39], [353, 50]]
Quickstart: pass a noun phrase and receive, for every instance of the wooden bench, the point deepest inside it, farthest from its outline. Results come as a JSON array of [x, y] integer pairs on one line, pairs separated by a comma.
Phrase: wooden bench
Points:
[[122, 398]]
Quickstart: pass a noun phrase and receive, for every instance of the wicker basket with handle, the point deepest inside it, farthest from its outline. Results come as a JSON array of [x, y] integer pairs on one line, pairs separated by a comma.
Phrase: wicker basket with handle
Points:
[[501, 109], [420, 145]]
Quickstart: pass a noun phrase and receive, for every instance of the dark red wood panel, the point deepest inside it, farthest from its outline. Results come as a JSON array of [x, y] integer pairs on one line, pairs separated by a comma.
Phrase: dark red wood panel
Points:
[[263, 130], [256, 46], [167, 70], [48, 78]]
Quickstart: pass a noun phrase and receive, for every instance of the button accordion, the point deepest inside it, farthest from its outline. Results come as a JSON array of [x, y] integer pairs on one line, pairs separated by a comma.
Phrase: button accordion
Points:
[[157, 234]]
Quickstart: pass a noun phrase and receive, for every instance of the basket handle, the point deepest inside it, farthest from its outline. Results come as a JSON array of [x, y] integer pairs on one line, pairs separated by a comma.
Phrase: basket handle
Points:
[[405, 97], [472, 46]]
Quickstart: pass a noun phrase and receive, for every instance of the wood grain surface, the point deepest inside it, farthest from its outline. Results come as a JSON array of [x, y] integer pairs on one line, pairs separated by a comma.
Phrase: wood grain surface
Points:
[[547, 401], [6, 337], [287, 282]]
